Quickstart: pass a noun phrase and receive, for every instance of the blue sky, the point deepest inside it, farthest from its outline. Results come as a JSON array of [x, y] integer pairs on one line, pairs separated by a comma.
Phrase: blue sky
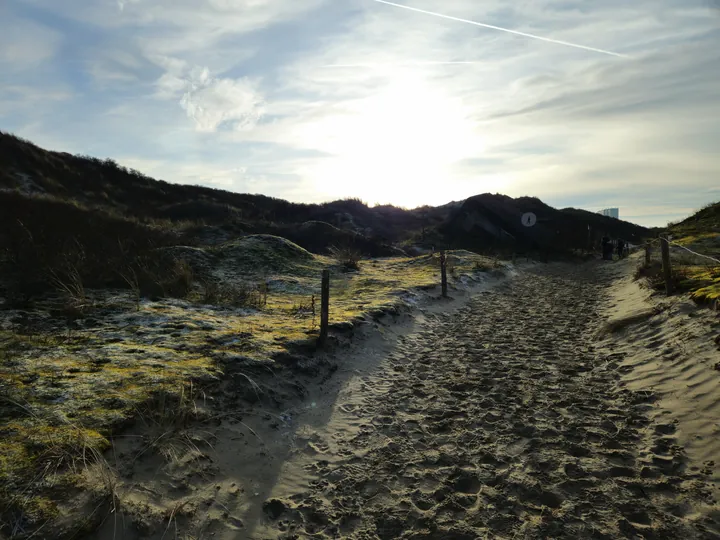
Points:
[[311, 100]]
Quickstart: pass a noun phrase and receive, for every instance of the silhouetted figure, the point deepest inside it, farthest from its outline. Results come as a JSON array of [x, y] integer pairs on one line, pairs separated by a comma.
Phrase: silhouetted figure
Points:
[[607, 248], [621, 248]]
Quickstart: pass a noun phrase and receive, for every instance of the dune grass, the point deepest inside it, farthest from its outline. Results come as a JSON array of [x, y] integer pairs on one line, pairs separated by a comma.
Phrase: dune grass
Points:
[[703, 283]]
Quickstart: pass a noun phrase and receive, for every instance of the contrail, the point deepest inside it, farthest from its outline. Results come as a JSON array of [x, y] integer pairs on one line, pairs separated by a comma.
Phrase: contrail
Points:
[[516, 32], [394, 64]]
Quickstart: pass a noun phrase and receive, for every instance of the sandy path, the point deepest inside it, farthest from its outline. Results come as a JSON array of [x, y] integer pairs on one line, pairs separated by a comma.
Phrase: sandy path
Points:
[[500, 421]]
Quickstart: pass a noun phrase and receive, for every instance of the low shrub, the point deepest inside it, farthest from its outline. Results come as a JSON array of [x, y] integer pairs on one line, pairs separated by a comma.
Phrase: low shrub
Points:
[[348, 257]]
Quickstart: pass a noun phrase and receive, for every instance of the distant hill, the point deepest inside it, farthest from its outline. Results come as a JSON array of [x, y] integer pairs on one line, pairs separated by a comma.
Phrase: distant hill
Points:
[[496, 220], [203, 215]]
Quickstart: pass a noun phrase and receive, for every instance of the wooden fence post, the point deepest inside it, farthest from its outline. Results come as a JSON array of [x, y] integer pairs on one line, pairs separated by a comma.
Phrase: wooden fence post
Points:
[[324, 307], [443, 273], [648, 253], [667, 270]]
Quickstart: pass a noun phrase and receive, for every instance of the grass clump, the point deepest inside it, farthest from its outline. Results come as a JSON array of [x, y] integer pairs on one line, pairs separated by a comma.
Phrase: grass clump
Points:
[[349, 258], [702, 283], [42, 455], [239, 295], [169, 412]]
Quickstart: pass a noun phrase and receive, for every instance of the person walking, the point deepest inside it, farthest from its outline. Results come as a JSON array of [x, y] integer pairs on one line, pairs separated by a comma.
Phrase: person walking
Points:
[[620, 248], [606, 248]]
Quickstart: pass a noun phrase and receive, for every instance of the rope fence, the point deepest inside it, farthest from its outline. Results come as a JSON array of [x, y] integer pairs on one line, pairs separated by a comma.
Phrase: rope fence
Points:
[[676, 266], [694, 252]]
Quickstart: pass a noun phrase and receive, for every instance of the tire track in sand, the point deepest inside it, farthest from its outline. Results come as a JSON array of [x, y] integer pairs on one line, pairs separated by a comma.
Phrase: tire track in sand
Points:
[[502, 421]]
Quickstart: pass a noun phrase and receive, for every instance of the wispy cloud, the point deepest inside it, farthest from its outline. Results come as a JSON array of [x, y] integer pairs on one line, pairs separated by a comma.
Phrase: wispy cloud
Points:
[[25, 44]]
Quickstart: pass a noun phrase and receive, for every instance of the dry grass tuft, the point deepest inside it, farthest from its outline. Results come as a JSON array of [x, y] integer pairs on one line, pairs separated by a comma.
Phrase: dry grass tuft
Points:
[[349, 258], [241, 295]]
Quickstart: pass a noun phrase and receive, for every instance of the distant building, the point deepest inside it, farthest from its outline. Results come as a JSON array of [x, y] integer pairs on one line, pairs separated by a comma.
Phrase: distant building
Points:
[[611, 212]]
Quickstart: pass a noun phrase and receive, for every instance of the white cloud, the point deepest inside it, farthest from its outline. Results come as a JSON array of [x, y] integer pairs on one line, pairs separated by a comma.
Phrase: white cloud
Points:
[[211, 102], [122, 3]]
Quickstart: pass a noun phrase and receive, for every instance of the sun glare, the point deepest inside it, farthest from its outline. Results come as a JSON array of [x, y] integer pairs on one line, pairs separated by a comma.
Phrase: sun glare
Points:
[[397, 146]]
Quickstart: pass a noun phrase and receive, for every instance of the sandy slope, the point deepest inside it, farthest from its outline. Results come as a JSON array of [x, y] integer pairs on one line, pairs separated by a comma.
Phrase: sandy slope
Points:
[[671, 354], [506, 418]]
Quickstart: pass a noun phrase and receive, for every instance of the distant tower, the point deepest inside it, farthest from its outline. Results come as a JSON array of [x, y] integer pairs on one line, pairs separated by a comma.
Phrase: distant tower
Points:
[[611, 212]]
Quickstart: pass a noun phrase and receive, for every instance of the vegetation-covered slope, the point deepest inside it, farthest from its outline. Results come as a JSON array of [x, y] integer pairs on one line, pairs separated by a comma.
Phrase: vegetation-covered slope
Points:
[[700, 233]]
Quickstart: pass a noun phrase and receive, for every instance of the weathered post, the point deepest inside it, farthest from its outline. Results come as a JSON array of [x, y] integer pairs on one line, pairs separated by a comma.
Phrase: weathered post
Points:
[[648, 253], [443, 273], [324, 306], [667, 270]]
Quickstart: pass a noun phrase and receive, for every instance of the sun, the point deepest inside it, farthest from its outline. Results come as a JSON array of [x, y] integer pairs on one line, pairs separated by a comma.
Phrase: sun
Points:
[[396, 146]]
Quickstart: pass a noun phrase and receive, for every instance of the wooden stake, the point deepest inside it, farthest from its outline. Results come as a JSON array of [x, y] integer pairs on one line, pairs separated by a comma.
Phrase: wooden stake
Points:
[[443, 273], [647, 253], [324, 307], [667, 269]]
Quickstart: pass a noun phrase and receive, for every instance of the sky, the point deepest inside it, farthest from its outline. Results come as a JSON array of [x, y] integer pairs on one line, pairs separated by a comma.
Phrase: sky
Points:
[[413, 102]]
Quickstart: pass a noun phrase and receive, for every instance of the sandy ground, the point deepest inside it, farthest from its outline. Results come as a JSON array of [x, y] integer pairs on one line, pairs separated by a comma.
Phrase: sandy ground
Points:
[[671, 354], [508, 415]]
